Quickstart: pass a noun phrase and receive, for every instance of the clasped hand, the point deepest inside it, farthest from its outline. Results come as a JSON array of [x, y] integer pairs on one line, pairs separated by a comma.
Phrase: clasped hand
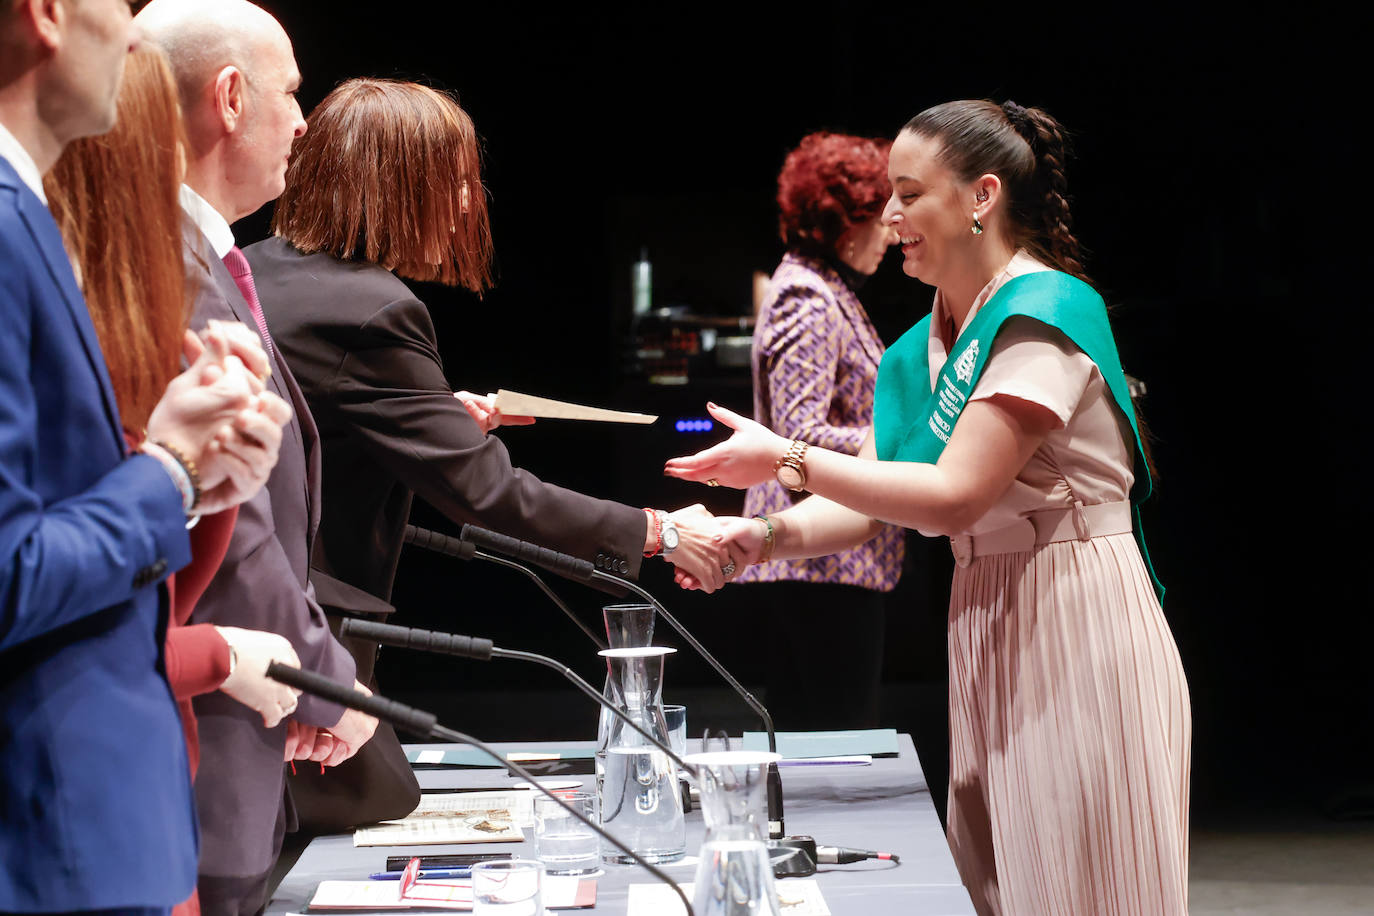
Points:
[[254, 651], [219, 414], [331, 746], [742, 541]]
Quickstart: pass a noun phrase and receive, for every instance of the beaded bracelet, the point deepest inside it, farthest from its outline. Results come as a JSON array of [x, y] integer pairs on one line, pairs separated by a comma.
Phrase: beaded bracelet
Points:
[[192, 475], [656, 521], [769, 541]]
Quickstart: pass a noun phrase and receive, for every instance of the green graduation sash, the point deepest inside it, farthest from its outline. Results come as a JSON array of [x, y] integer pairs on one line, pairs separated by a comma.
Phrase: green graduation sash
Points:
[[913, 423]]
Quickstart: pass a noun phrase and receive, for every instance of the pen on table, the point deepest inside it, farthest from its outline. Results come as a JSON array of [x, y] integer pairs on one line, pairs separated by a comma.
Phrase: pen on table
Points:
[[461, 872]]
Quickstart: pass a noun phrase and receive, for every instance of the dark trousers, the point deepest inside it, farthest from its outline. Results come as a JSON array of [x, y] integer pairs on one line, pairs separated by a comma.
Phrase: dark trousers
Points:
[[825, 653], [233, 896], [242, 895]]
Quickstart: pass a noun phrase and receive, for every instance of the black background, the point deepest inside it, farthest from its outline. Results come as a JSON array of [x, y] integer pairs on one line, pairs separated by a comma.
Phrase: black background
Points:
[[1217, 185]]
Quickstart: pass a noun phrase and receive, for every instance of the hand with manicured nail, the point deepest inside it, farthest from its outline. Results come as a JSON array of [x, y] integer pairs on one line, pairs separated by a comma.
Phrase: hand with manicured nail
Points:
[[746, 458]]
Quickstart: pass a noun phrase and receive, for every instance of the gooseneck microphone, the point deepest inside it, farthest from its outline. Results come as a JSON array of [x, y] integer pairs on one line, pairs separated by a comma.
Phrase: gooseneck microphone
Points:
[[462, 550], [583, 571], [482, 650], [426, 724]]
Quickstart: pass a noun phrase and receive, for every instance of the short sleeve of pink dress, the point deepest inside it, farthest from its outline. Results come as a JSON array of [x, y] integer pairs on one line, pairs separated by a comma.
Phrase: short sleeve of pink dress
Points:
[[1090, 456], [1069, 713]]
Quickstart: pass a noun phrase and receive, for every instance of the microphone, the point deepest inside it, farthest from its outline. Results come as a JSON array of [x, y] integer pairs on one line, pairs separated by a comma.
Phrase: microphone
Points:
[[482, 650], [425, 724], [583, 571], [561, 564], [462, 550]]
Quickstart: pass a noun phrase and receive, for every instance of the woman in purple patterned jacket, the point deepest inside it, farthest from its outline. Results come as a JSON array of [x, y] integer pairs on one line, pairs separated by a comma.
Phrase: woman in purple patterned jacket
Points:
[[816, 358]]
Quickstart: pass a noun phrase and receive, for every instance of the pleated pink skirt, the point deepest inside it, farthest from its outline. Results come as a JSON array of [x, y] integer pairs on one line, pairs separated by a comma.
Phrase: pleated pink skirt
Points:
[[1069, 735]]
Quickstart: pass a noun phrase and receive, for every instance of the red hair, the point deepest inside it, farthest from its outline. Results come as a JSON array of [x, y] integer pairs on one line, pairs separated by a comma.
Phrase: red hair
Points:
[[390, 172], [115, 199], [827, 184]]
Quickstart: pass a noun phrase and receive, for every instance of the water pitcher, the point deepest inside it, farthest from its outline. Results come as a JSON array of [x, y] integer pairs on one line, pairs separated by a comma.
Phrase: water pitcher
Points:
[[628, 626], [734, 875], [637, 783]]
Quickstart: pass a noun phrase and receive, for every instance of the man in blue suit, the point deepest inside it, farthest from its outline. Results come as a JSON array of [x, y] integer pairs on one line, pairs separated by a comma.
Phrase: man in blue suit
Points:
[[95, 796]]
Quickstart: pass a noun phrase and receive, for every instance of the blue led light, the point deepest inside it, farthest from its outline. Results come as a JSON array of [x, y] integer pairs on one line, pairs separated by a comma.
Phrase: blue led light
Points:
[[694, 425]]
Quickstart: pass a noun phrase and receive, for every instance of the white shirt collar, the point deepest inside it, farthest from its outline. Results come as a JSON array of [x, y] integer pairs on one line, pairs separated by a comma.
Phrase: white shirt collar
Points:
[[23, 163], [208, 220]]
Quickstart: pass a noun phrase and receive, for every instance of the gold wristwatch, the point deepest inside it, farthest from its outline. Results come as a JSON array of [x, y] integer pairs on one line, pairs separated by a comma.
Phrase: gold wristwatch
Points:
[[790, 469]]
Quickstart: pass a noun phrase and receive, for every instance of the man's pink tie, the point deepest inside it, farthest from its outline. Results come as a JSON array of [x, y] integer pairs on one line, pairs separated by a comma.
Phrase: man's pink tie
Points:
[[243, 277]]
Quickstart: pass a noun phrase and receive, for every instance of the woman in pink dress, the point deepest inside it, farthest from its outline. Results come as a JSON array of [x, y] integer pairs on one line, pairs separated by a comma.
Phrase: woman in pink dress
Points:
[[1002, 422]]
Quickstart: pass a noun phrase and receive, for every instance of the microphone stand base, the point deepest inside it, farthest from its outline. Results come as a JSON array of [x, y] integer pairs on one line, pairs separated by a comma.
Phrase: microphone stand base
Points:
[[792, 856]]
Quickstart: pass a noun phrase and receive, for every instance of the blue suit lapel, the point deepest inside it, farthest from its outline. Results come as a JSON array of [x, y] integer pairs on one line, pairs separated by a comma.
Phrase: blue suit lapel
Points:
[[41, 225]]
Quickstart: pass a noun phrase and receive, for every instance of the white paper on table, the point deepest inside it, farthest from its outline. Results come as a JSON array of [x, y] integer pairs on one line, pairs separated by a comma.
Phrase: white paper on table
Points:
[[796, 897], [470, 827], [518, 804], [528, 405], [380, 895], [558, 892]]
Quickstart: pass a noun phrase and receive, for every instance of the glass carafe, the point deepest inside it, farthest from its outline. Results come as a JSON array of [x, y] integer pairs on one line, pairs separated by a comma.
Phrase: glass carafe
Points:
[[640, 804], [734, 875], [628, 626]]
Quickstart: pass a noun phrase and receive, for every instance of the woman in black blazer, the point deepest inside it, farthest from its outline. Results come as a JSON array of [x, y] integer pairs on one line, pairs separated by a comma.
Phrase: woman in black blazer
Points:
[[386, 184]]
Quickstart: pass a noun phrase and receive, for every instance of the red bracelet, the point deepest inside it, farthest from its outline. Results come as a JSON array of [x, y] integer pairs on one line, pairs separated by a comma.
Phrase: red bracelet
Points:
[[658, 534]]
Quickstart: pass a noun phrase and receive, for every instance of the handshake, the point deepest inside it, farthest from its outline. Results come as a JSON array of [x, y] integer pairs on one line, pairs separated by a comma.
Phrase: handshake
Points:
[[713, 550]]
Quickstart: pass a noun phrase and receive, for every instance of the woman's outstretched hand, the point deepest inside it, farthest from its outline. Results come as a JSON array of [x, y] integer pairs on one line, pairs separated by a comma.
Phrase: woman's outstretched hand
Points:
[[746, 458]]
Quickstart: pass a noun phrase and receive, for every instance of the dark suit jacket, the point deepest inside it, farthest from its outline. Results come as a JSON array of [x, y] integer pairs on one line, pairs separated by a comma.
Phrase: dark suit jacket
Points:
[[262, 584], [95, 795], [365, 353]]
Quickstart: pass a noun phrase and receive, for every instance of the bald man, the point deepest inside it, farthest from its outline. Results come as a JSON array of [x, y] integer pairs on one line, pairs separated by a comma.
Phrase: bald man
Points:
[[95, 795], [237, 78]]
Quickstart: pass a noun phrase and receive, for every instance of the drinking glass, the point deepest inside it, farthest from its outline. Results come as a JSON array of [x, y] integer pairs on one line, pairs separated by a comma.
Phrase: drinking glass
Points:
[[676, 718], [565, 845], [507, 887]]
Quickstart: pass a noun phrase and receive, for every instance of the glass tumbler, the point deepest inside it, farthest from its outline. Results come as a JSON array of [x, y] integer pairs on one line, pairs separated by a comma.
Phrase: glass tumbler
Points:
[[507, 887], [565, 845]]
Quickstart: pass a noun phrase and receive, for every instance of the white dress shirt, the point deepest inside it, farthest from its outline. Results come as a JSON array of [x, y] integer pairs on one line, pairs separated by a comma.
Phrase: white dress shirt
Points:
[[208, 220], [17, 156]]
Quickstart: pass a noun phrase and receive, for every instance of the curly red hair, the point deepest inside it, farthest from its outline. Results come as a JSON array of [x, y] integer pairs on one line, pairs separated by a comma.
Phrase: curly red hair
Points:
[[827, 184]]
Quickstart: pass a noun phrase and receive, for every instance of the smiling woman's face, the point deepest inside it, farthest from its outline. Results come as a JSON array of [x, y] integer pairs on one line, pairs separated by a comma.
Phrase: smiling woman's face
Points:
[[930, 209]]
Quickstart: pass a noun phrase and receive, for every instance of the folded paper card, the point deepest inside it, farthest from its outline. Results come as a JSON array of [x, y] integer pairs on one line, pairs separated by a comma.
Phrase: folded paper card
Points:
[[515, 403]]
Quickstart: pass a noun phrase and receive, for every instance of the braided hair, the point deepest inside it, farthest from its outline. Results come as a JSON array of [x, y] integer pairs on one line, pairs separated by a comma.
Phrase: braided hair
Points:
[[1026, 148]]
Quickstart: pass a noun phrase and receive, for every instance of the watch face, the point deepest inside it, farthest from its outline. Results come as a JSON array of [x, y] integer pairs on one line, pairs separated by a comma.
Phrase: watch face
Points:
[[789, 477], [669, 538]]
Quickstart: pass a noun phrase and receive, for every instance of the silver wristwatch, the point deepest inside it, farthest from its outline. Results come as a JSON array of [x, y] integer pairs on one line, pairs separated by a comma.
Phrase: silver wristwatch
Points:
[[668, 534]]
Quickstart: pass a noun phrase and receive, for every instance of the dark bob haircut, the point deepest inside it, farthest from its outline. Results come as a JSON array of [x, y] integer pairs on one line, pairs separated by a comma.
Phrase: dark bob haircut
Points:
[[390, 172], [829, 183]]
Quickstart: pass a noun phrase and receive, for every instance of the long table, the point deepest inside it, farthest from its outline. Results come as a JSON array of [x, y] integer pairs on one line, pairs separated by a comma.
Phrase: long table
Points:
[[885, 806]]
